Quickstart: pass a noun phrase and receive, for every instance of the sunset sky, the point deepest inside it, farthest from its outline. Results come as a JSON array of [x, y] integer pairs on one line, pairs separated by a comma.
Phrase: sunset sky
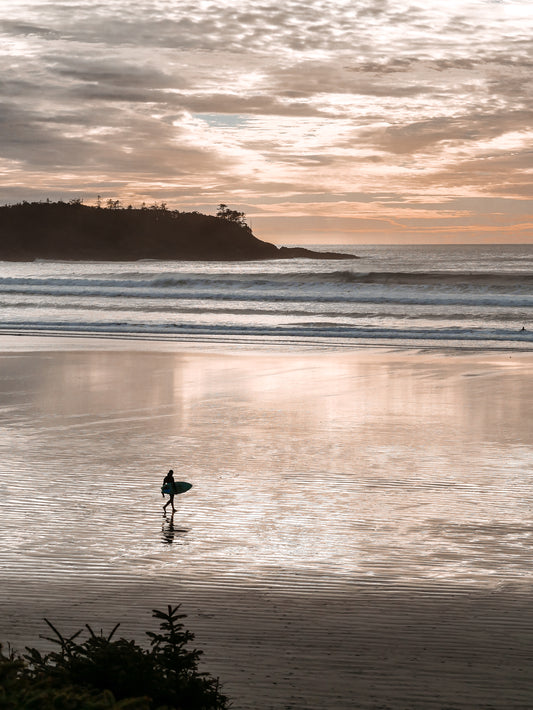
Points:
[[326, 121]]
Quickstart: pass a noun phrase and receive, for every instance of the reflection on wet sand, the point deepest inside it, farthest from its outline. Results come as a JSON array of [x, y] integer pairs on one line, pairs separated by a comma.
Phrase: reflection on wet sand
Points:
[[341, 503], [170, 533]]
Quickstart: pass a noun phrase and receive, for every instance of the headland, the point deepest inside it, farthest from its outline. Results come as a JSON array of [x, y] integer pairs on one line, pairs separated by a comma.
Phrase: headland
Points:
[[78, 232]]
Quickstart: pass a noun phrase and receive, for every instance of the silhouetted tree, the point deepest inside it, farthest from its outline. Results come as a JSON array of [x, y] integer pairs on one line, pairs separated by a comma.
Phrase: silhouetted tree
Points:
[[102, 672], [224, 212]]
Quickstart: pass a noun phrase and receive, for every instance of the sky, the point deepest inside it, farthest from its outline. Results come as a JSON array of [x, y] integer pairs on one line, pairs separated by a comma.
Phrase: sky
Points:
[[325, 121]]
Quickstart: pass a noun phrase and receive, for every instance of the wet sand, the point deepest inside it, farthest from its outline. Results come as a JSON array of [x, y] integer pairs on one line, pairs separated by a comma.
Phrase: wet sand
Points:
[[359, 533]]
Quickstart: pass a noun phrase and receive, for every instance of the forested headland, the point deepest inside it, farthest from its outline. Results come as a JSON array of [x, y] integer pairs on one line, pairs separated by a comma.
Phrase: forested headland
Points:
[[74, 231]]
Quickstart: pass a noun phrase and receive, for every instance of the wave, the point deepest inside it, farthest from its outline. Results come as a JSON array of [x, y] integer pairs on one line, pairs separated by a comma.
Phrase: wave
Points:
[[444, 278], [440, 278], [332, 286], [335, 312], [140, 298], [316, 330], [332, 305]]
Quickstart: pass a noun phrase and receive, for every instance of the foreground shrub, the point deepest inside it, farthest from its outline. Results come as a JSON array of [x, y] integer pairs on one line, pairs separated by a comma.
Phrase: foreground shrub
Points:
[[102, 673]]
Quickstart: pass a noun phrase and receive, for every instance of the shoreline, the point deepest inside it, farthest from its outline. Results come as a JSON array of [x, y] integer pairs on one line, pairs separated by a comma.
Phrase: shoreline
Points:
[[61, 340]]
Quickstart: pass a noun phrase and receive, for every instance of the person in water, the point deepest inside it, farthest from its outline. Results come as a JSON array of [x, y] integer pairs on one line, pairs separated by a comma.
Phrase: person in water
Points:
[[169, 480]]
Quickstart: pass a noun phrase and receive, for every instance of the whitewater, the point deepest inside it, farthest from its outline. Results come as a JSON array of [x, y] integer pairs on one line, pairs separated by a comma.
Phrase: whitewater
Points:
[[412, 295]]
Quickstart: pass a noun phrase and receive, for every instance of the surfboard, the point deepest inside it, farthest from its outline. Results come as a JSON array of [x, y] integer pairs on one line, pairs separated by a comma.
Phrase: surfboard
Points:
[[177, 487]]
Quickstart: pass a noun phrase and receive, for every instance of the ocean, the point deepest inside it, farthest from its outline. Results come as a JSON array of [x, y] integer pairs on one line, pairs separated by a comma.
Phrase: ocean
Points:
[[412, 295], [359, 530]]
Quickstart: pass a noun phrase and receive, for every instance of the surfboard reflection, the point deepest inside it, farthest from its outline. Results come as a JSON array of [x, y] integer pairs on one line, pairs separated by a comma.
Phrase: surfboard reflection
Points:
[[170, 533]]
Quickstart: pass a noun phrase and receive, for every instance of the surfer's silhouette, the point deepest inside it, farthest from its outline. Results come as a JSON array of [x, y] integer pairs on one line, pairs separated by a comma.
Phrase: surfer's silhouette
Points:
[[169, 480]]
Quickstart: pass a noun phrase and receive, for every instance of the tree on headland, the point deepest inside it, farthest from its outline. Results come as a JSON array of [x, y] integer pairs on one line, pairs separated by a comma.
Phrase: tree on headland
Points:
[[224, 212]]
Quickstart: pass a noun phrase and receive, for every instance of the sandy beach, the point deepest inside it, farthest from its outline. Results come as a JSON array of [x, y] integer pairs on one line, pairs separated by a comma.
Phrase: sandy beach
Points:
[[359, 532]]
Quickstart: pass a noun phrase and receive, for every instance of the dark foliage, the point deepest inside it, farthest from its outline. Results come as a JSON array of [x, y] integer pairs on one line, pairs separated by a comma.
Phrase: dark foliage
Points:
[[104, 673], [225, 212]]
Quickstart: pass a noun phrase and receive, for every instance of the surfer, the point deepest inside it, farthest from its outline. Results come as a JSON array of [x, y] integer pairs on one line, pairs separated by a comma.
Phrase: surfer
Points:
[[168, 480]]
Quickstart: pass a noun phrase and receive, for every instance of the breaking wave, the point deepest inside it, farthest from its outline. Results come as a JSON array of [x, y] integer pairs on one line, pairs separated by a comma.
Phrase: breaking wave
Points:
[[408, 294]]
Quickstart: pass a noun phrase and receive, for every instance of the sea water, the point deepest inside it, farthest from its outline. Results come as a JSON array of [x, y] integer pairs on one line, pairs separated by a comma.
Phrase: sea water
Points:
[[391, 294], [359, 525]]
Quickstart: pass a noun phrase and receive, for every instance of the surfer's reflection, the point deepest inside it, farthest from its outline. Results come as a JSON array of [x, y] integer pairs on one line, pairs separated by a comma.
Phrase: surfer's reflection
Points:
[[169, 531]]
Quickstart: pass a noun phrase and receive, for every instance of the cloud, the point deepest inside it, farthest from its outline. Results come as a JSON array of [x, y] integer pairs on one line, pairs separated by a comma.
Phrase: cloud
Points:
[[250, 98], [469, 128]]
